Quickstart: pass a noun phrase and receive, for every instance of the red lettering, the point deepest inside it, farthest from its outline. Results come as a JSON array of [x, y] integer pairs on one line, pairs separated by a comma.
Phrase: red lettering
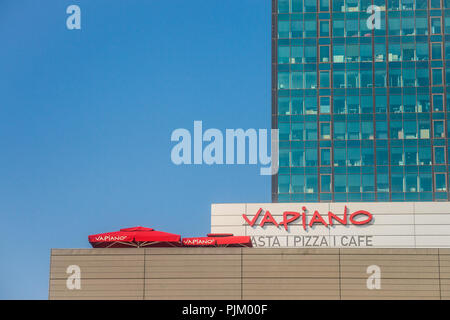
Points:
[[304, 218], [268, 218], [251, 223], [291, 216], [361, 212], [286, 221], [332, 216], [317, 218]]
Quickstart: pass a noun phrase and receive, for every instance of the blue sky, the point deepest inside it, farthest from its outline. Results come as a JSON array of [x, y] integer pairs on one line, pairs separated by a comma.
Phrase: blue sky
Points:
[[86, 117]]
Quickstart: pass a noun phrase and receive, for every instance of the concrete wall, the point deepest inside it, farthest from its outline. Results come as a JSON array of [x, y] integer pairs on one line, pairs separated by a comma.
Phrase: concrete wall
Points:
[[250, 273], [394, 224]]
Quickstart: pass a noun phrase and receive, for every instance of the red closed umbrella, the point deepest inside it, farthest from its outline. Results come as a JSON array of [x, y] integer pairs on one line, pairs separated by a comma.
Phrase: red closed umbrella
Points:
[[135, 237], [218, 240], [235, 241]]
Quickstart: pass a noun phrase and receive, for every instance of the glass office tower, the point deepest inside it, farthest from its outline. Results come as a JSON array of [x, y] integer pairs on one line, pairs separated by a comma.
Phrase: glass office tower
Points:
[[361, 109]]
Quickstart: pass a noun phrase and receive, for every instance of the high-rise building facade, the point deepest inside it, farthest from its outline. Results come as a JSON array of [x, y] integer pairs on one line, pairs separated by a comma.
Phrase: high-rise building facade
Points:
[[360, 98]]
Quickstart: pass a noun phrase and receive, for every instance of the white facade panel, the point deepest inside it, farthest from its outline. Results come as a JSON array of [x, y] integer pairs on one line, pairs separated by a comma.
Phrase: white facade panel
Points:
[[226, 220], [432, 218], [362, 224], [390, 219], [432, 230], [433, 241]]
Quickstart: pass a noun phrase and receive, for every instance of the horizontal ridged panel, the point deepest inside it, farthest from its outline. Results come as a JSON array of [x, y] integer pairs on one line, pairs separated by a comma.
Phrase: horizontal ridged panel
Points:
[[193, 266], [183, 288], [251, 273]]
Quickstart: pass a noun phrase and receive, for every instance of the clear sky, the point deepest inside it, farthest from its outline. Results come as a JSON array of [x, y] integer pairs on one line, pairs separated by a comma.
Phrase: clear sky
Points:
[[86, 118]]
